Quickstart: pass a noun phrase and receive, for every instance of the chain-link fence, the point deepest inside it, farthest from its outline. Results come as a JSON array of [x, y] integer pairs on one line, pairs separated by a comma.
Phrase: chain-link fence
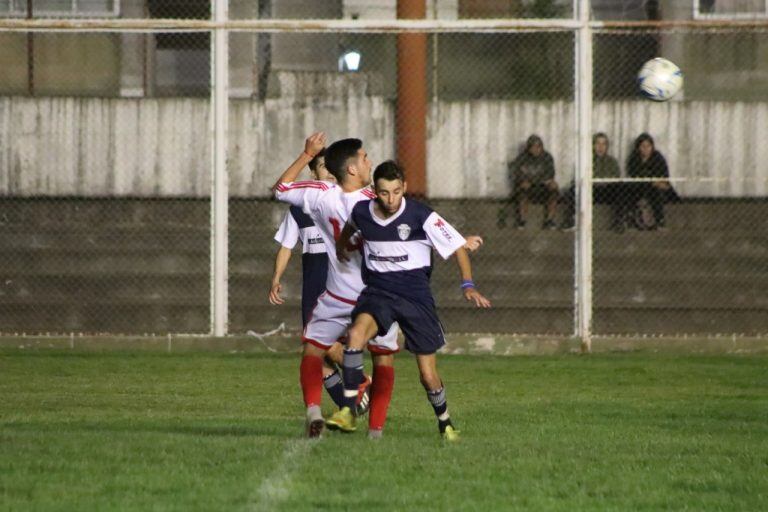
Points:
[[105, 182], [106, 160], [679, 240]]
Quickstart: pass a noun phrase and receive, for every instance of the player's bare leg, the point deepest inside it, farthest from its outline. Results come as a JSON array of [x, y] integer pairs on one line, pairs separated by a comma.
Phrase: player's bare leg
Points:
[[335, 354], [358, 335], [311, 378], [381, 393], [433, 385]]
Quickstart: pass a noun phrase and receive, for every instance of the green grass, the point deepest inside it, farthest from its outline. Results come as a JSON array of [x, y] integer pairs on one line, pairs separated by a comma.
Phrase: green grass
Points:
[[148, 431]]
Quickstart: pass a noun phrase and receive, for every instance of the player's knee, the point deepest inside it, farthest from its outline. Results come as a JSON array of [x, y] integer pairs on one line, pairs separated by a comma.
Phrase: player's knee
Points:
[[312, 350], [356, 337]]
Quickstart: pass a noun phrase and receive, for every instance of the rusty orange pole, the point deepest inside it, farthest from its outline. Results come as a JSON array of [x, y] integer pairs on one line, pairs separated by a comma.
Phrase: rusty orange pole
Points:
[[411, 124]]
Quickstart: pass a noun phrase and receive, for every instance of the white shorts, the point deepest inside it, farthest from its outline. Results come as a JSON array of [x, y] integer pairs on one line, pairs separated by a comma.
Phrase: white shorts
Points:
[[330, 320]]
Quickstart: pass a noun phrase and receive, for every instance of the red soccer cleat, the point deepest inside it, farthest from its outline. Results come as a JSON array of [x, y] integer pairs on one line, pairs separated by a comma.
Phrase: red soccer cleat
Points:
[[363, 402]]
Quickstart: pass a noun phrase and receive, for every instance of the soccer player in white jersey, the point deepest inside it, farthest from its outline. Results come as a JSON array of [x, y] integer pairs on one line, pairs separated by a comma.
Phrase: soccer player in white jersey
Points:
[[329, 206], [298, 226], [398, 237]]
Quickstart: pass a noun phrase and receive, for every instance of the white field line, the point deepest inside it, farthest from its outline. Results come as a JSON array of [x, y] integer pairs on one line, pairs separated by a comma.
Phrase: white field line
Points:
[[276, 487]]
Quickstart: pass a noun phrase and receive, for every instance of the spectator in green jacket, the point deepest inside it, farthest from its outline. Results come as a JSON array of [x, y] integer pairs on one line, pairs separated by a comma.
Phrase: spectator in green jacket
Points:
[[604, 166], [532, 177]]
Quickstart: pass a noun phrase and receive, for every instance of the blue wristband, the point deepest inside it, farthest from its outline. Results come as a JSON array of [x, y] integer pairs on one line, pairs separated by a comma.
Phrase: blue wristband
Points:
[[467, 283]]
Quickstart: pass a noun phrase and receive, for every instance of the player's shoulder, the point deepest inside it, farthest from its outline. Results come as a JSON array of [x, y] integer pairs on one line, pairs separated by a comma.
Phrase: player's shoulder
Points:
[[418, 209], [367, 193], [362, 207], [321, 186]]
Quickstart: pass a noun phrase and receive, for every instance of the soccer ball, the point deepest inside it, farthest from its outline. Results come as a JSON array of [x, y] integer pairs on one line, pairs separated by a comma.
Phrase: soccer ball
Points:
[[659, 79]]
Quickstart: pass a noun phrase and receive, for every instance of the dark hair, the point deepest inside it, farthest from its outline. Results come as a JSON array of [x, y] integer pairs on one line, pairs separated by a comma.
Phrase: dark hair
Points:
[[533, 140], [642, 138], [316, 160], [337, 156], [600, 135], [389, 170]]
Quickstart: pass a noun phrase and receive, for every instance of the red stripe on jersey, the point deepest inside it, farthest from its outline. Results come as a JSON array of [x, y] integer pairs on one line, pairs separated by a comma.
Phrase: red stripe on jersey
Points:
[[315, 343], [322, 184], [283, 187], [342, 299], [369, 193]]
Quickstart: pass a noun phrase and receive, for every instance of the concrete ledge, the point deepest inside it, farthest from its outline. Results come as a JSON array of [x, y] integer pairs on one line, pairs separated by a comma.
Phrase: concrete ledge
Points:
[[471, 344]]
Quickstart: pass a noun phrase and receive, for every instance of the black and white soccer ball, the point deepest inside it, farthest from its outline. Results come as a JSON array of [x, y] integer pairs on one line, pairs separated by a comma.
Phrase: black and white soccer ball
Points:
[[660, 79]]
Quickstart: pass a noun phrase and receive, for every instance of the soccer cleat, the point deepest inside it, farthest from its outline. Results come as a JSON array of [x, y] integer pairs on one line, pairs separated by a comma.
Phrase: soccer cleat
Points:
[[315, 428], [450, 434], [342, 420], [363, 397]]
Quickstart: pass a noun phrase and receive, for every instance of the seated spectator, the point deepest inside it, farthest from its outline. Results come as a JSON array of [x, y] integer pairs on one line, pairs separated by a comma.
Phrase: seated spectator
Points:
[[603, 166], [532, 176], [646, 162]]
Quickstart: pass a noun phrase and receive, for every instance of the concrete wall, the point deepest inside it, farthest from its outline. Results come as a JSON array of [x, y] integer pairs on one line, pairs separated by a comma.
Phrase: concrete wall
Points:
[[160, 147]]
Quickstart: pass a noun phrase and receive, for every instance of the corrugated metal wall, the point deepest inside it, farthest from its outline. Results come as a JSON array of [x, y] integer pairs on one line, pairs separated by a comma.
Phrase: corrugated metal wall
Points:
[[160, 147]]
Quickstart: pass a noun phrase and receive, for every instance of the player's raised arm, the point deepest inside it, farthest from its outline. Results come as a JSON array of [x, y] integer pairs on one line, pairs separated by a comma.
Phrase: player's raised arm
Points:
[[302, 194], [467, 284], [312, 146]]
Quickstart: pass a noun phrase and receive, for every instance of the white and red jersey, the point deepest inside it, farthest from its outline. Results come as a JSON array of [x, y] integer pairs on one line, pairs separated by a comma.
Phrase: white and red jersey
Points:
[[329, 207]]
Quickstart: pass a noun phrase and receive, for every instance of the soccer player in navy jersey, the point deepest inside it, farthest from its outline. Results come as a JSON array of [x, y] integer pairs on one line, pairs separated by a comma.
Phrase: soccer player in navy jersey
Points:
[[398, 237], [296, 226]]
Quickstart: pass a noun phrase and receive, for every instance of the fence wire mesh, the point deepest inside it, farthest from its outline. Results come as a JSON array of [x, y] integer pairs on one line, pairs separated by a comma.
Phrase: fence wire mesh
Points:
[[678, 240], [105, 208], [105, 166]]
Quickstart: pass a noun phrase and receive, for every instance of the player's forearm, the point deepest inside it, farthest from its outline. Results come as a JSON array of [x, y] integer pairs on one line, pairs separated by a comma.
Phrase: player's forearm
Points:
[[312, 146], [281, 263], [465, 266], [293, 171]]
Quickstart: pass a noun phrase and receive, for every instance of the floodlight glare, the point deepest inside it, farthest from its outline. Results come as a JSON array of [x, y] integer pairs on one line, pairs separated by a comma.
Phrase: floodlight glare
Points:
[[350, 60]]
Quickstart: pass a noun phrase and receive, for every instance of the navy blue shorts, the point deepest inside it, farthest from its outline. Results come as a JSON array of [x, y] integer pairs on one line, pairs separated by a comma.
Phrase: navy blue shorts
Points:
[[418, 320]]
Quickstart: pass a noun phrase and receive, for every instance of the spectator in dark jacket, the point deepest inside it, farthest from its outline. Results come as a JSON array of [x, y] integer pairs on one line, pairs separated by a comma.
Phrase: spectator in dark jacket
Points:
[[646, 162], [532, 176]]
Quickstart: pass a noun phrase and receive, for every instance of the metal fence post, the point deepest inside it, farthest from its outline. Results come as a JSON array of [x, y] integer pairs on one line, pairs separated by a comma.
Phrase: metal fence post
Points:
[[219, 190], [583, 239]]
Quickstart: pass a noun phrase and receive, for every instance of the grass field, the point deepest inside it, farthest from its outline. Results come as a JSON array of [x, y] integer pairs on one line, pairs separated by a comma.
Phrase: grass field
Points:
[[150, 431]]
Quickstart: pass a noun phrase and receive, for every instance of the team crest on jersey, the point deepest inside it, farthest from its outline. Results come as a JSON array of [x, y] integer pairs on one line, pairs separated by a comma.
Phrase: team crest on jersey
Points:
[[403, 231]]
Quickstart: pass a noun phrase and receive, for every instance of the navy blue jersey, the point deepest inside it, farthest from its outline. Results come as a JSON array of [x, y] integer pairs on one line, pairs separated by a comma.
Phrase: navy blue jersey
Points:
[[296, 226], [398, 249]]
